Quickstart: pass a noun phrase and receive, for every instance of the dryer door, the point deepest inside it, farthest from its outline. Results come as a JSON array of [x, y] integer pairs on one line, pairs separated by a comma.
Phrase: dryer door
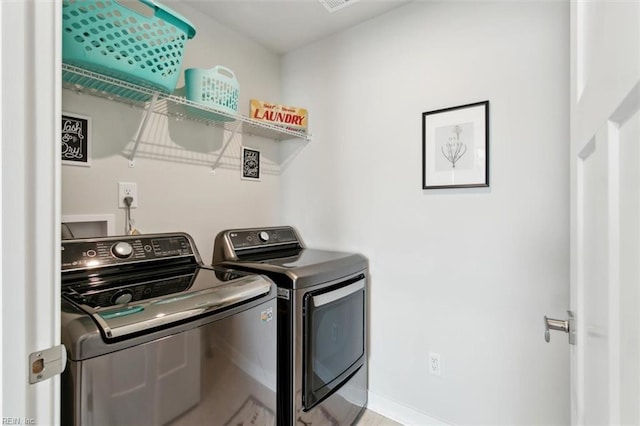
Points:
[[334, 340]]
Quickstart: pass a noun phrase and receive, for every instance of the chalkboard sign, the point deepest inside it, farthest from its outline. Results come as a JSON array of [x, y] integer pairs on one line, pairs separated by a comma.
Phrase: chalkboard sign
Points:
[[250, 167], [76, 139]]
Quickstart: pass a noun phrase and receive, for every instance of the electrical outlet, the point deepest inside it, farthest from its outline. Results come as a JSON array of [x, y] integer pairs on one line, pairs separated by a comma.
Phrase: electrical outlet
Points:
[[127, 189], [435, 366]]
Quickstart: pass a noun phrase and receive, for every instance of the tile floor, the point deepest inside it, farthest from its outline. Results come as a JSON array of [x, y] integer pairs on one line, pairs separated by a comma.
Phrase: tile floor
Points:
[[371, 418]]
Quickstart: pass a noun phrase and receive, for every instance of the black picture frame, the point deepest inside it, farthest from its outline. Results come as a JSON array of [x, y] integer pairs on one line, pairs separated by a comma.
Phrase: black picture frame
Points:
[[250, 166], [455, 147], [75, 139]]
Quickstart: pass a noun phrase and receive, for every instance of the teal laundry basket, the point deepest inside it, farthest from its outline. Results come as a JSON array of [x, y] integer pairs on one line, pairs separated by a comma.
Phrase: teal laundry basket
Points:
[[144, 47], [216, 88]]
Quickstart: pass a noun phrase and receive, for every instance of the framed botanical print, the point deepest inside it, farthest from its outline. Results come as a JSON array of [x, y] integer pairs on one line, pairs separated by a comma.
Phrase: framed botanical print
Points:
[[455, 147]]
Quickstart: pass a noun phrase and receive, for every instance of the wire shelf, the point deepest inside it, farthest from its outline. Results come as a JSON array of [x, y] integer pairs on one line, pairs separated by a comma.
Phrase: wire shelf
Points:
[[85, 81]]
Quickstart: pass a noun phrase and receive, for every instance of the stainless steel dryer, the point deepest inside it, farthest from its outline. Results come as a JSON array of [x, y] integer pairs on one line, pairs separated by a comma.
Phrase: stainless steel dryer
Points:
[[322, 327], [154, 337]]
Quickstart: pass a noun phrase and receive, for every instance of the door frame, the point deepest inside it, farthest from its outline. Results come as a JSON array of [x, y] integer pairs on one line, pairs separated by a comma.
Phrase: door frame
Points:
[[30, 192]]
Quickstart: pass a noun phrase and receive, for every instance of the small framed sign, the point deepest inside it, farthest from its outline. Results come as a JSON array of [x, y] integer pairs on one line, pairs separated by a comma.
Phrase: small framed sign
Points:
[[75, 139], [455, 147], [250, 167]]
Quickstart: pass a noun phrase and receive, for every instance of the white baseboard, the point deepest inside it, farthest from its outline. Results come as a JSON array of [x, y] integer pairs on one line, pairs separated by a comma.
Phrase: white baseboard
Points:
[[400, 412]]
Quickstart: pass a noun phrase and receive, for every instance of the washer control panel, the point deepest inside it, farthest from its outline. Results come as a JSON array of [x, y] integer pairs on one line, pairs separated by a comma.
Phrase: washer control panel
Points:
[[90, 253], [252, 238]]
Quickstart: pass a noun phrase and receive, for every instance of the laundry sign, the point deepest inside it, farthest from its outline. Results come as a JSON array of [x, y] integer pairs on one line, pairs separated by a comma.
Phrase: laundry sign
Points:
[[292, 117], [75, 139]]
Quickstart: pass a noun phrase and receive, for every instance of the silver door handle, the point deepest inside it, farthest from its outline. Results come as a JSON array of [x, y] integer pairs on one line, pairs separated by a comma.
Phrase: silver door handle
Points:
[[340, 293], [568, 326]]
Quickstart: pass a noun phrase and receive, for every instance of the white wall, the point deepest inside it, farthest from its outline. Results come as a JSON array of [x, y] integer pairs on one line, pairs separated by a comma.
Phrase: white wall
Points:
[[176, 189], [467, 274]]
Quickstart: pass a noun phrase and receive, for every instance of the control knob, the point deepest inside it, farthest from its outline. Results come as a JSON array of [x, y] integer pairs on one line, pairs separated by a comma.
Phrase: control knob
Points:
[[264, 236], [121, 250], [121, 297]]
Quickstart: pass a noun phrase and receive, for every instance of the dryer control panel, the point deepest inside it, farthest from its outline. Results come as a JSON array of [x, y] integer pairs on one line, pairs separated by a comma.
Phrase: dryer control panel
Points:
[[261, 237]]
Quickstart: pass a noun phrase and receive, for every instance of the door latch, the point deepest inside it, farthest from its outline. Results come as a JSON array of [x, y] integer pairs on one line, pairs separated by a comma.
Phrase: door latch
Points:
[[568, 326], [47, 363]]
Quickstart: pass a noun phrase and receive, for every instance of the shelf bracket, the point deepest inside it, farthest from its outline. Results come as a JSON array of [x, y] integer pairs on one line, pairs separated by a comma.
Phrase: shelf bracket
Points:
[[226, 145], [143, 126]]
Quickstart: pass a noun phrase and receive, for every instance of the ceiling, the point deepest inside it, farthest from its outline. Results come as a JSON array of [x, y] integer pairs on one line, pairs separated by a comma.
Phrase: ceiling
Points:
[[285, 25]]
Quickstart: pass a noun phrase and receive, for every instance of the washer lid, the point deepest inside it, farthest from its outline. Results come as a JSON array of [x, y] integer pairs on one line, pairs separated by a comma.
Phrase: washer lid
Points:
[[204, 294], [201, 299]]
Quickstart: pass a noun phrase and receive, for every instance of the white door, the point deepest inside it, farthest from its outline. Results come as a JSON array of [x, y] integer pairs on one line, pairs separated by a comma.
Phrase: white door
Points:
[[605, 211], [30, 262]]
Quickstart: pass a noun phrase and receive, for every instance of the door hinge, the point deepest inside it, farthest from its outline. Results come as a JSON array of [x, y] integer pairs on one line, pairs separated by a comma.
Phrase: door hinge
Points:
[[568, 326], [47, 363]]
